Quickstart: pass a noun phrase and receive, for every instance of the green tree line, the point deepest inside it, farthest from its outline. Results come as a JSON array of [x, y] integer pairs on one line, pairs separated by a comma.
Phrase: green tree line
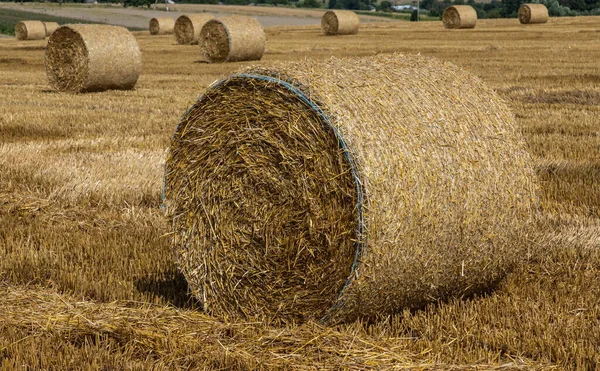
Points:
[[432, 8]]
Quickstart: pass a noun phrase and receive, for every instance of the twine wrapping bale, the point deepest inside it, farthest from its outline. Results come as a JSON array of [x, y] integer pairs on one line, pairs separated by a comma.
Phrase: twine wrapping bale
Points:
[[340, 22], [345, 188], [459, 16], [161, 26], [533, 13], [187, 27], [231, 39], [50, 27], [30, 30], [86, 58]]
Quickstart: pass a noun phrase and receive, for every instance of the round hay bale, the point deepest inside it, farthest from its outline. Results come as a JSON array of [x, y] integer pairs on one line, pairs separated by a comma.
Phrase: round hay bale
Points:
[[86, 58], [345, 188], [187, 27], [459, 16], [231, 39], [30, 30], [533, 13], [340, 22], [161, 26], [50, 27]]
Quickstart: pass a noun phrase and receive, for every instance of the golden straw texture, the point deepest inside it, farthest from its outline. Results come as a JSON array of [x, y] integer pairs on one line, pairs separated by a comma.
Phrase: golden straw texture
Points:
[[50, 27], [459, 16], [30, 30], [161, 26], [340, 22], [345, 188], [187, 27], [85, 58], [533, 13], [231, 39]]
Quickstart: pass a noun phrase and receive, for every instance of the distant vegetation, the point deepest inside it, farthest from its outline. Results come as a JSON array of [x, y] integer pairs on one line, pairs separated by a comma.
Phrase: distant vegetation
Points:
[[9, 18], [428, 8]]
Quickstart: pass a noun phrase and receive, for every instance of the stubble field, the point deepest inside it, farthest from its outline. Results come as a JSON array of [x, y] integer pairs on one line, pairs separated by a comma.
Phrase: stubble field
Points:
[[88, 280]]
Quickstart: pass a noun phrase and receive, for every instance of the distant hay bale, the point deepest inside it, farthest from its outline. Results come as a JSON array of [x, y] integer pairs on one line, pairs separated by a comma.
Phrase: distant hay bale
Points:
[[86, 58], [50, 27], [459, 16], [187, 27], [231, 39], [30, 30], [533, 13], [344, 188], [340, 22], [161, 26]]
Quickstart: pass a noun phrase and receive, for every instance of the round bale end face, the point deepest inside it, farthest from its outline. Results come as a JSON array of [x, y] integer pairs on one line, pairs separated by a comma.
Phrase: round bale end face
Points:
[[184, 30], [66, 60], [300, 192], [284, 232], [214, 41]]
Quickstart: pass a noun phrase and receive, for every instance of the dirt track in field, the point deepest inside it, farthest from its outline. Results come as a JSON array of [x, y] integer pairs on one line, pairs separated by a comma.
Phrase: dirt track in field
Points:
[[139, 17]]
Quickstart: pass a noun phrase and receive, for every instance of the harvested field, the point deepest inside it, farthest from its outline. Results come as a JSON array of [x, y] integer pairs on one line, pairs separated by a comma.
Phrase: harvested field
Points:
[[88, 277]]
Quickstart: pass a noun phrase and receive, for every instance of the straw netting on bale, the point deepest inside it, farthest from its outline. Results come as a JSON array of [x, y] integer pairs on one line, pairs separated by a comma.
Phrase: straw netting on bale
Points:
[[50, 27], [346, 188], [161, 26], [533, 13], [187, 27], [340, 22], [459, 16], [231, 39], [30, 30], [85, 58]]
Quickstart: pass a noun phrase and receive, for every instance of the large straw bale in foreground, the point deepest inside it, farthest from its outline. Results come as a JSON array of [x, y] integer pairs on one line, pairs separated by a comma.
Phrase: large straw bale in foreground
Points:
[[231, 39], [30, 30], [50, 27], [340, 22], [187, 27], [84, 58], [533, 13], [459, 16], [346, 188], [161, 26]]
